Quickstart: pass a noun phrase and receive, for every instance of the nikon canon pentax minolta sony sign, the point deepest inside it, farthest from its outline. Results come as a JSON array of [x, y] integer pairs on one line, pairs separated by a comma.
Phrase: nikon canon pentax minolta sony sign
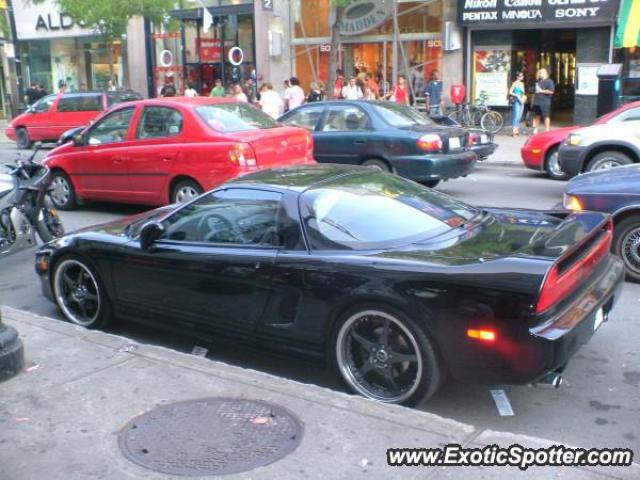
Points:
[[536, 13]]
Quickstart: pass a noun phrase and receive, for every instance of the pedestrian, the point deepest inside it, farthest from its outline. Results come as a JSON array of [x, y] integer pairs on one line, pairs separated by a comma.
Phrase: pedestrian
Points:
[[32, 95], [83, 87], [352, 90], [433, 94], [373, 86], [339, 85], [249, 90], [517, 98], [190, 91], [168, 89], [294, 96], [111, 86], [270, 101], [545, 89], [315, 94], [400, 93], [218, 89], [368, 94], [41, 91], [238, 94]]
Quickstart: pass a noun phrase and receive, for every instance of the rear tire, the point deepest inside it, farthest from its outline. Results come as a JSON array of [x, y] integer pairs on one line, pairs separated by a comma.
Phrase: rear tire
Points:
[[431, 183], [607, 160], [552, 166], [400, 366], [49, 226], [626, 245], [377, 163], [63, 194], [185, 191], [22, 139]]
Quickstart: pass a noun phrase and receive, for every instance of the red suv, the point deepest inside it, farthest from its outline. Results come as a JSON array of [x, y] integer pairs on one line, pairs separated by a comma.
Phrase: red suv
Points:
[[170, 150], [52, 115]]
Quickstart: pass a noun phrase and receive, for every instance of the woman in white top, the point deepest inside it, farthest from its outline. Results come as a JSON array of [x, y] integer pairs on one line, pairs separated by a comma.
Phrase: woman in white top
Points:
[[352, 91], [270, 101], [190, 91], [239, 95]]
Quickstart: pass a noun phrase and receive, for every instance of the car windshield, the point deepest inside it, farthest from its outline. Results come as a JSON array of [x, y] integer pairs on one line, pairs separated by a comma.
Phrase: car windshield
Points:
[[401, 115], [378, 211], [235, 117]]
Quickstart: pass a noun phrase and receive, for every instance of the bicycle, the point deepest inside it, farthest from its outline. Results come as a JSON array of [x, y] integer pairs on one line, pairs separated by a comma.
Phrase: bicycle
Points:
[[478, 114]]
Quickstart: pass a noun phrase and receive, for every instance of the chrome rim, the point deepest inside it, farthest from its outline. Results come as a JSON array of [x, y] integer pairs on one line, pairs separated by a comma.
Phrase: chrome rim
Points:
[[554, 165], [379, 357], [606, 165], [631, 250], [61, 190], [76, 292], [185, 194]]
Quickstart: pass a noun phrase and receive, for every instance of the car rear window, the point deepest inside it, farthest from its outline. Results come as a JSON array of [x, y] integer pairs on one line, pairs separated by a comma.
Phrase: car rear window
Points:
[[124, 96], [400, 115], [80, 102], [235, 117], [377, 210]]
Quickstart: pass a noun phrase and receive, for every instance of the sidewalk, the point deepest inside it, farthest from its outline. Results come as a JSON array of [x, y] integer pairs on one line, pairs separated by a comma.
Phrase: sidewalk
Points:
[[60, 419]]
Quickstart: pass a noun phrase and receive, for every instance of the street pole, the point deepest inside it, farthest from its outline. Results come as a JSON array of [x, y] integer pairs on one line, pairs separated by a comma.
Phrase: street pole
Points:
[[15, 107]]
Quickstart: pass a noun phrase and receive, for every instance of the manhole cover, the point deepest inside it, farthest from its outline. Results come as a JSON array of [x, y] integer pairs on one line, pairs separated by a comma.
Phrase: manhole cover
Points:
[[210, 436]]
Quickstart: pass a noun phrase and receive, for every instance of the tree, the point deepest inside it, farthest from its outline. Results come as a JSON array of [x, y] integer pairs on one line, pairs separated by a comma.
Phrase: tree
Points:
[[109, 18], [335, 21]]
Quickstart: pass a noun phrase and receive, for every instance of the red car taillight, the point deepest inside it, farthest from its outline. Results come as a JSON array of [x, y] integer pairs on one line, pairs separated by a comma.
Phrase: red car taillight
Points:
[[430, 143], [310, 148], [242, 155], [474, 139], [560, 282]]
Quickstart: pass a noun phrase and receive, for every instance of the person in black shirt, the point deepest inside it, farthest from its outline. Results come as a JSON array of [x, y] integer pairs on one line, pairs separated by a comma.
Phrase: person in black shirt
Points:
[[542, 100], [32, 95], [168, 89]]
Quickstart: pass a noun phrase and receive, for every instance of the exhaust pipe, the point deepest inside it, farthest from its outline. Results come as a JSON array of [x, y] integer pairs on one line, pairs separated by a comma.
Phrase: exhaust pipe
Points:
[[552, 379]]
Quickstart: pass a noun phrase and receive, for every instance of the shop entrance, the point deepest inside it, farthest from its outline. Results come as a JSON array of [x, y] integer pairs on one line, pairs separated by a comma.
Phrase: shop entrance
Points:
[[554, 50]]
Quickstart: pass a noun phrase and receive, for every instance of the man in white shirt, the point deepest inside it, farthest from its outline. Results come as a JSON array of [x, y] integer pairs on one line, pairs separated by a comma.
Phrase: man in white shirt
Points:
[[352, 91], [270, 101], [294, 97]]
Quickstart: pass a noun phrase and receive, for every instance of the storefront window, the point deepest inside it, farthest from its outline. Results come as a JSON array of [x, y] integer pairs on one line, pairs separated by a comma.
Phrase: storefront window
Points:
[[630, 84], [168, 55]]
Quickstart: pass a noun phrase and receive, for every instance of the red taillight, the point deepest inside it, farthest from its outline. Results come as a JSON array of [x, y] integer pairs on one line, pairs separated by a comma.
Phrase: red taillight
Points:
[[485, 335], [430, 143], [474, 138], [242, 155], [310, 148], [559, 284]]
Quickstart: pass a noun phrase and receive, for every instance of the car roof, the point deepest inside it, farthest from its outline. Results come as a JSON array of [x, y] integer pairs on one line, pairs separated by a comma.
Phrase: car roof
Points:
[[297, 178], [195, 101]]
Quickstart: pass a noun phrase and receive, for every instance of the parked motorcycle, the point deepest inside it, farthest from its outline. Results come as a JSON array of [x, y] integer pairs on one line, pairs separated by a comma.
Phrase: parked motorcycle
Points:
[[26, 207]]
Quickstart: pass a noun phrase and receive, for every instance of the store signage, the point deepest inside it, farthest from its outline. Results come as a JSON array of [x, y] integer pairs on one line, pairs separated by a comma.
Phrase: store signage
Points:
[[210, 50], [360, 16], [235, 56], [44, 20], [492, 13], [267, 5]]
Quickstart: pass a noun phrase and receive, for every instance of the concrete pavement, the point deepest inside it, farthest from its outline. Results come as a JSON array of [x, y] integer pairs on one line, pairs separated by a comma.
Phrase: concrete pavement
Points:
[[59, 419]]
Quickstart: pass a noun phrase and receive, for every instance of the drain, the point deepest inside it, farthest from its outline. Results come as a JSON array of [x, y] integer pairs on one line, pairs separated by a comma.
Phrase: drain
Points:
[[211, 436]]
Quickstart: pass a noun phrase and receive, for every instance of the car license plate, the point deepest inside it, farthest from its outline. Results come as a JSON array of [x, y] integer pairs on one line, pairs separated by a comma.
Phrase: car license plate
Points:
[[599, 319], [454, 142], [484, 139]]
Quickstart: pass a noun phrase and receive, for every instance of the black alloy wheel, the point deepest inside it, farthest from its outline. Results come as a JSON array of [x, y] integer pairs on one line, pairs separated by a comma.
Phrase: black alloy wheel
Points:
[[79, 295], [384, 356]]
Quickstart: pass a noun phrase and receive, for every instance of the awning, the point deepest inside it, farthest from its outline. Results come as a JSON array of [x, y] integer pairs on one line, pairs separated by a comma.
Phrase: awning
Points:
[[628, 33]]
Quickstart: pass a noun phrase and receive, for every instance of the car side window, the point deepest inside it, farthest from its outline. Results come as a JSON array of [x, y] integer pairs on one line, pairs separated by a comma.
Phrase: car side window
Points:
[[82, 102], [631, 115], [45, 104], [159, 122], [113, 128], [345, 119], [231, 217], [306, 117]]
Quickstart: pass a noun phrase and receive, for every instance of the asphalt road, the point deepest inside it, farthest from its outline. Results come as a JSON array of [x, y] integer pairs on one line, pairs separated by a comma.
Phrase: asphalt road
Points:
[[598, 406]]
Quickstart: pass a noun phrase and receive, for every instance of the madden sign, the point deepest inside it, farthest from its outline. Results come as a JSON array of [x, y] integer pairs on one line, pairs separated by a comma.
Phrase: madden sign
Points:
[[360, 16], [495, 13]]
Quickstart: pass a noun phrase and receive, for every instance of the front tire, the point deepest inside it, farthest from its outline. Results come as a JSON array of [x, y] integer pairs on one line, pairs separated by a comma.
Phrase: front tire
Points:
[[62, 194], [185, 191], [23, 141], [607, 160], [79, 294], [626, 245], [552, 165], [383, 355]]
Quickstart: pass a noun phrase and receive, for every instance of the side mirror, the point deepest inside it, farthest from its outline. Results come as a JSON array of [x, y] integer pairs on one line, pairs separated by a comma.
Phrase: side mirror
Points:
[[150, 232], [78, 140]]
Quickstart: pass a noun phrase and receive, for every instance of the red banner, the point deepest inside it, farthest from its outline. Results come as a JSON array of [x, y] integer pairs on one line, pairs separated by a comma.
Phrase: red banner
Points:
[[210, 50]]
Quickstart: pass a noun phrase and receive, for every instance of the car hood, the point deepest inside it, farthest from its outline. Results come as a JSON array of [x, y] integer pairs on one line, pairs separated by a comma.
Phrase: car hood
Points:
[[624, 179]]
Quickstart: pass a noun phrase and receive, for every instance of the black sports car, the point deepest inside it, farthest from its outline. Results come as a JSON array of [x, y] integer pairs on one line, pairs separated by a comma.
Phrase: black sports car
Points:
[[615, 191], [393, 282], [392, 137]]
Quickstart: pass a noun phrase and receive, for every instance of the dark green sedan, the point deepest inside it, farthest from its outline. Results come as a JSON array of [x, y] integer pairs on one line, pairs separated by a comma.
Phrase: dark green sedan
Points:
[[392, 137]]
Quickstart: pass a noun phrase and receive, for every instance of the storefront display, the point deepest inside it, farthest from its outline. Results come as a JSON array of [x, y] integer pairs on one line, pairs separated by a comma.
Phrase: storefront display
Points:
[[491, 75]]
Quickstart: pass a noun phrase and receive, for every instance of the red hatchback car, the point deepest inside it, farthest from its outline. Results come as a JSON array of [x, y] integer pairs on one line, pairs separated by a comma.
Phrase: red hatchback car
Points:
[[540, 152], [170, 150], [53, 115]]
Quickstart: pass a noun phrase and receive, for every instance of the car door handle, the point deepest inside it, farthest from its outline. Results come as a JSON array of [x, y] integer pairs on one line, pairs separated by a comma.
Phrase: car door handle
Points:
[[359, 142], [166, 159], [257, 265]]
